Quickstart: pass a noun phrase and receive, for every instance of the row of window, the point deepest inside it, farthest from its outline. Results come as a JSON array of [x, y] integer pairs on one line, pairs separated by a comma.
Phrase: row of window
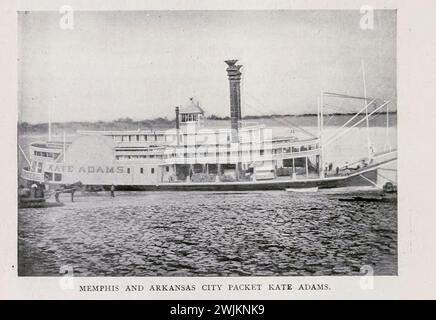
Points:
[[52, 155], [172, 138], [156, 137], [141, 170], [185, 155], [150, 156], [137, 137], [217, 154], [186, 117]]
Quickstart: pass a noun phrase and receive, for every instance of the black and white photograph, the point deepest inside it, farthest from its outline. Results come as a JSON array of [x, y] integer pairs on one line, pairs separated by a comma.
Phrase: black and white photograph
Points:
[[207, 143]]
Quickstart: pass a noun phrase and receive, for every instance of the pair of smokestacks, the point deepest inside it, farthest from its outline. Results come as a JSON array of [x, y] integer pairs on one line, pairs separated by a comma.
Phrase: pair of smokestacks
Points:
[[234, 75]]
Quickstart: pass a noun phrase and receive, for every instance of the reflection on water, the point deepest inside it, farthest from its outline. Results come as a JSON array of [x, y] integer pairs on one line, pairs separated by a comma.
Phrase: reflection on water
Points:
[[209, 234]]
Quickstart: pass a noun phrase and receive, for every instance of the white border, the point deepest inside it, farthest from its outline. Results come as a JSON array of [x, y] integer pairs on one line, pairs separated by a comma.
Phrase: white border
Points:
[[417, 217]]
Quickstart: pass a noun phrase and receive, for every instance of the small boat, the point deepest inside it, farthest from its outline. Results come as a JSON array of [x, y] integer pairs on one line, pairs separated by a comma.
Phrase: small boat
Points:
[[381, 198], [301, 190], [388, 193]]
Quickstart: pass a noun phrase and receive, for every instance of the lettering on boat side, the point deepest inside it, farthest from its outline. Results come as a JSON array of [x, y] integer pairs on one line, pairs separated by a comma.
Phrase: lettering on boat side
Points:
[[86, 169]]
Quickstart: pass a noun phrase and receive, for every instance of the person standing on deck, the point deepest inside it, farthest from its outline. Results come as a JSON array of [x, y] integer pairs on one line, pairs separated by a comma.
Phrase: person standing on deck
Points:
[[33, 187], [112, 191]]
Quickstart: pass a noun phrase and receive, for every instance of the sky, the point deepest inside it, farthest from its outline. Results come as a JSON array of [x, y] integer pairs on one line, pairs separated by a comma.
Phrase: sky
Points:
[[141, 64]]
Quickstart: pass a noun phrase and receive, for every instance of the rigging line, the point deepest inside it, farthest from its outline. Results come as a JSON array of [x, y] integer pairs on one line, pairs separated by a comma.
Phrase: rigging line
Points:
[[354, 125], [353, 79], [288, 121], [350, 120], [388, 169], [256, 101], [24, 154], [340, 108], [264, 114], [390, 180], [335, 108], [340, 95], [328, 121], [285, 122], [376, 116], [372, 182], [302, 129]]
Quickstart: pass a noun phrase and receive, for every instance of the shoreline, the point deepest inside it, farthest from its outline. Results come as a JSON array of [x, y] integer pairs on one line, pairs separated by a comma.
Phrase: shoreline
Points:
[[25, 128]]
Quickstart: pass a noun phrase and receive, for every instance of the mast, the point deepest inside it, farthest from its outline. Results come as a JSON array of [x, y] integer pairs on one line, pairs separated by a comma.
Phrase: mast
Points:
[[321, 129], [49, 122], [387, 142], [317, 118], [64, 147], [366, 113]]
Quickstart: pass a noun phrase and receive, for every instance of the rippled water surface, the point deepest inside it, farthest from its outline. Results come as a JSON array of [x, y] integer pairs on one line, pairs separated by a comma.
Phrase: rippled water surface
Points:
[[209, 234]]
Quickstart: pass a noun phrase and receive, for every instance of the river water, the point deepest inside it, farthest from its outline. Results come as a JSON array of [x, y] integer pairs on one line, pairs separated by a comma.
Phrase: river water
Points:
[[209, 234], [216, 233]]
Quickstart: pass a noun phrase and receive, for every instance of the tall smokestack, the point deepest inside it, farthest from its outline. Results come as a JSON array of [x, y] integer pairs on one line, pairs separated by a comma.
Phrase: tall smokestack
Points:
[[234, 76], [178, 125]]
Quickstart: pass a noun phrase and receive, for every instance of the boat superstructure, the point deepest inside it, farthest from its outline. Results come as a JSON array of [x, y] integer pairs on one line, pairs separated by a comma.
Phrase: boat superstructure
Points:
[[195, 156]]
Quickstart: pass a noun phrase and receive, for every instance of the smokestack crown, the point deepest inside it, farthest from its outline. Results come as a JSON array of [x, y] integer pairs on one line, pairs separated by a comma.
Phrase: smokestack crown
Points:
[[233, 70]]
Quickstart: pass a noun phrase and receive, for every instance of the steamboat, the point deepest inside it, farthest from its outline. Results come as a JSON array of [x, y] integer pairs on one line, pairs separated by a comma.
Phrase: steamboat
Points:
[[194, 156]]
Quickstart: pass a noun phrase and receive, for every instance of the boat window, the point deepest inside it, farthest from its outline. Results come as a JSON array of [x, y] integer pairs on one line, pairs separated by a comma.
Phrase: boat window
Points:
[[128, 170], [152, 170], [168, 169], [48, 176], [142, 170], [58, 177]]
